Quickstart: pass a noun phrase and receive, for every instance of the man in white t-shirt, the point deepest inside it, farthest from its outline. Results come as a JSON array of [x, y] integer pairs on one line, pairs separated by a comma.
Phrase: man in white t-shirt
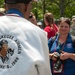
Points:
[[27, 44]]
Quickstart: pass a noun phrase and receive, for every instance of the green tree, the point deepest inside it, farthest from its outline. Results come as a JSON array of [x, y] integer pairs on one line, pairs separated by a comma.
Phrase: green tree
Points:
[[58, 7], [1, 3]]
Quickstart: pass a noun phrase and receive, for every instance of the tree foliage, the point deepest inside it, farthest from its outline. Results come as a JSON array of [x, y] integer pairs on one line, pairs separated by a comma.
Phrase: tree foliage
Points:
[[59, 8], [1, 3]]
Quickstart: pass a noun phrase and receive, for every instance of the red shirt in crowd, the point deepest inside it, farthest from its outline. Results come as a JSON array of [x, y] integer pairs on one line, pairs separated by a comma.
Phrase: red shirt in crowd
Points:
[[51, 31]]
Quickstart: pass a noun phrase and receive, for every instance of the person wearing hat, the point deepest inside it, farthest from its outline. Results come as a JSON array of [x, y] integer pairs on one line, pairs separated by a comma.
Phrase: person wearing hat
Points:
[[72, 30], [39, 24], [30, 56]]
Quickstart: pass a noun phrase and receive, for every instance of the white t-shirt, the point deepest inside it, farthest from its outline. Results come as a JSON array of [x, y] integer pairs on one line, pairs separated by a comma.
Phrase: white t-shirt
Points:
[[27, 50]]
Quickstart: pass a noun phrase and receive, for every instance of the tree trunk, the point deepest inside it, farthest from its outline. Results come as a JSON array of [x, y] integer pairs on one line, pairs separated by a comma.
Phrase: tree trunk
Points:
[[61, 6]]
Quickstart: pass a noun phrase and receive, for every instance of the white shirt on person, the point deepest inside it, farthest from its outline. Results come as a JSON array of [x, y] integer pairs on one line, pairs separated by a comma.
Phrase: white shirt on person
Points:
[[29, 42]]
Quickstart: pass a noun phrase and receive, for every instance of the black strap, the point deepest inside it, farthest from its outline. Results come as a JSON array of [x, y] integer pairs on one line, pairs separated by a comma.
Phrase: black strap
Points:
[[53, 39]]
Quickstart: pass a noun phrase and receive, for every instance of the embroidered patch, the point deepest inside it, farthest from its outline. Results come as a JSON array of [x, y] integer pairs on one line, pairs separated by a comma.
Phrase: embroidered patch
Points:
[[10, 48], [69, 45]]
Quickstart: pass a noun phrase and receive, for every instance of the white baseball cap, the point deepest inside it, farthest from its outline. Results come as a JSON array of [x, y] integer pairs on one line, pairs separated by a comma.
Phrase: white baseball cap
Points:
[[39, 23]]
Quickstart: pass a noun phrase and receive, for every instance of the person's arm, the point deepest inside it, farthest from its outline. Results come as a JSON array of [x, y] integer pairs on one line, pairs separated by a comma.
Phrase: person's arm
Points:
[[50, 43], [50, 55], [72, 56], [45, 70], [66, 55], [39, 52]]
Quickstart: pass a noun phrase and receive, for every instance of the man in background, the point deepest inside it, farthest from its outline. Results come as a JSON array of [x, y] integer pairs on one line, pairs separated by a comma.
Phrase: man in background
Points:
[[32, 18], [31, 56]]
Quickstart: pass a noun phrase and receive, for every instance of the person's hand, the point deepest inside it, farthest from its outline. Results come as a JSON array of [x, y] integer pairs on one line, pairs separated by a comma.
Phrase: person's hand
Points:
[[54, 56], [64, 55]]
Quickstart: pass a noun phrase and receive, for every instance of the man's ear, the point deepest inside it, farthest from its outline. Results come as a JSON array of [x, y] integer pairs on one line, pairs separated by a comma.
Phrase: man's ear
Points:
[[27, 10], [26, 6], [5, 7]]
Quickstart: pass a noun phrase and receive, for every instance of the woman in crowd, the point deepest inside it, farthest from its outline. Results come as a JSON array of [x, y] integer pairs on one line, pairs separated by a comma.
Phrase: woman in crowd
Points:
[[62, 51], [51, 27]]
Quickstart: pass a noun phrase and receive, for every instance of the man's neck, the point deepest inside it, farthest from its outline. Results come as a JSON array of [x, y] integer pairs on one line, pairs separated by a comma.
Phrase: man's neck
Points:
[[14, 11]]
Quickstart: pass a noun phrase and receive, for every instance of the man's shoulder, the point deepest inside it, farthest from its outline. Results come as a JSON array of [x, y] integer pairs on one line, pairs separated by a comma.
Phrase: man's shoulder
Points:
[[21, 23]]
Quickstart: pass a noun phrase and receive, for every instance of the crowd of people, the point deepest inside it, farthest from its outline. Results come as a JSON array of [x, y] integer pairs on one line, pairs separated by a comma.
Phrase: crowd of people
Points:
[[36, 50]]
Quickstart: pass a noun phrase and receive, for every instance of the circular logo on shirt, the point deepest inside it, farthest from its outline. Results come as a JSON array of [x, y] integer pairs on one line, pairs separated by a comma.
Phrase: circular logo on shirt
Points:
[[10, 48], [69, 45]]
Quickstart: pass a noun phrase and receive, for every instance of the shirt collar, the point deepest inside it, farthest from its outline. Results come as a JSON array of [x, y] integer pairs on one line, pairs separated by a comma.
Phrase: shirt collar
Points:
[[68, 39], [14, 11]]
